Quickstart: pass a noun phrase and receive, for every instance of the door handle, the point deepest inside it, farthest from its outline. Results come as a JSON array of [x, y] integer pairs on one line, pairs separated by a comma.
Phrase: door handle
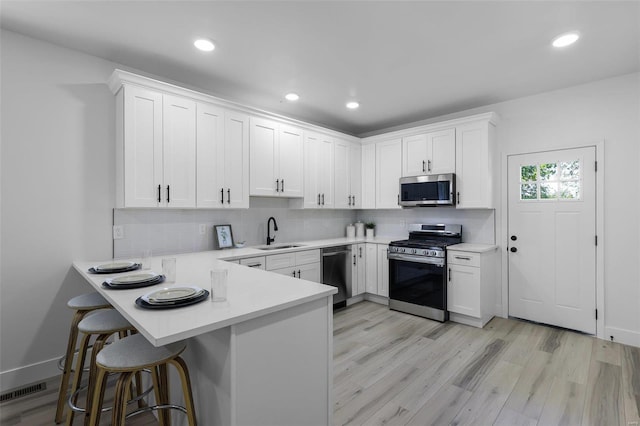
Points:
[[513, 249]]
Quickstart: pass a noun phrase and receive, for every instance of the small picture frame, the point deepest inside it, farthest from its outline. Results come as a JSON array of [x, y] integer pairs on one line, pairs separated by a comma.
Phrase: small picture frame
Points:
[[223, 236]]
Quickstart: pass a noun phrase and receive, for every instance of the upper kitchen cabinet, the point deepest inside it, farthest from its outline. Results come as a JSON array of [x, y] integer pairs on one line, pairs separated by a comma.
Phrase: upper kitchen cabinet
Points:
[[222, 158], [474, 164], [368, 174], [429, 153], [276, 159], [318, 171], [348, 186], [156, 149], [388, 172]]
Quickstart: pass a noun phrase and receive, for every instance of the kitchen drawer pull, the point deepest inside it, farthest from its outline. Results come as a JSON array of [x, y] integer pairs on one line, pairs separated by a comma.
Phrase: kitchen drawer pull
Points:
[[255, 265], [228, 196], [462, 257], [159, 189]]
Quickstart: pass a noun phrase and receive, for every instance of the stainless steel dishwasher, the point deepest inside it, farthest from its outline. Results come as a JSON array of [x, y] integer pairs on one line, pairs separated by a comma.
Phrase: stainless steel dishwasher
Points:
[[336, 271]]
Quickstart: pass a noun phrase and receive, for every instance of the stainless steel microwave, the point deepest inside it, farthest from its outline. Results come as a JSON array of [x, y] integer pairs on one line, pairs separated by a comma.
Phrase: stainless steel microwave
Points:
[[428, 191]]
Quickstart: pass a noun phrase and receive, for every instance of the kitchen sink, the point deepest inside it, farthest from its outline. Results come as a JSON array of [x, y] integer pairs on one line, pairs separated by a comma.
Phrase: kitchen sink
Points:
[[279, 246]]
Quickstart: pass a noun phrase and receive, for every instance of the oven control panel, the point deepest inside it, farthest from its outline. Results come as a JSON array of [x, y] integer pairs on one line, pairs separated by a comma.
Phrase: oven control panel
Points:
[[417, 251]]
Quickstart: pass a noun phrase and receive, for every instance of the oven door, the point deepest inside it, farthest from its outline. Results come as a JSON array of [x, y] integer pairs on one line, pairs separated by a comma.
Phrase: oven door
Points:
[[417, 286]]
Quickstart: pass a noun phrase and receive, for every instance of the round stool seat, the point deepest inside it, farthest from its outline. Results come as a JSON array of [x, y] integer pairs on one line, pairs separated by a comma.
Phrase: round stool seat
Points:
[[89, 301], [134, 352], [104, 321]]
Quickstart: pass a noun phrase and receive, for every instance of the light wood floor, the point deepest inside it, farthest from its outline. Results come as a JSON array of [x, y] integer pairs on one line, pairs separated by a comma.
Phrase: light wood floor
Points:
[[397, 369]]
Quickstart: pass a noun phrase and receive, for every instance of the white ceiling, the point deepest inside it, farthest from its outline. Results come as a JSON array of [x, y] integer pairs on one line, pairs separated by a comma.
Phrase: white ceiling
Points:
[[403, 61]]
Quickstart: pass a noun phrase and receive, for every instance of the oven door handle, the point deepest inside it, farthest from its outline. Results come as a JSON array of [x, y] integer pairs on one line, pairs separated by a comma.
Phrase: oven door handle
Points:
[[417, 259]]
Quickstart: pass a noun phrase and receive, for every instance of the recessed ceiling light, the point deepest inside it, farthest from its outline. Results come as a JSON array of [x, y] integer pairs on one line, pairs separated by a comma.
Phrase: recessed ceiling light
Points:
[[291, 96], [352, 105], [204, 45], [567, 39]]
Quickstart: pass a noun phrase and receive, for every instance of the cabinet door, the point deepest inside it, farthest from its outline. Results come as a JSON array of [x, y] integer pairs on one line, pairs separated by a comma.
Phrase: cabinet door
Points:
[[388, 171], [258, 262], [441, 148], [290, 161], [369, 177], [179, 151], [414, 155], [263, 149], [325, 175], [383, 270], [473, 166], [291, 271], [236, 160], [209, 156], [355, 162], [309, 272], [311, 170], [142, 139], [371, 268], [359, 269], [463, 290], [342, 175]]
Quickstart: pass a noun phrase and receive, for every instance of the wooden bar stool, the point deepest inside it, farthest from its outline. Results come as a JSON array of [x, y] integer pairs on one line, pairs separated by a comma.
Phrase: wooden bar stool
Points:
[[129, 356], [82, 305]]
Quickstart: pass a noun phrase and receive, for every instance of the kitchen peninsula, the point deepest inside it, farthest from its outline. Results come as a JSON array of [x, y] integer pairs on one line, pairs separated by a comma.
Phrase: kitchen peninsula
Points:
[[262, 357]]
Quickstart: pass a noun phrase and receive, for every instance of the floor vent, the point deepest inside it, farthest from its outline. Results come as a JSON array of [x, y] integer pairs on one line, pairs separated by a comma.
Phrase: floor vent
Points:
[[27, 390]]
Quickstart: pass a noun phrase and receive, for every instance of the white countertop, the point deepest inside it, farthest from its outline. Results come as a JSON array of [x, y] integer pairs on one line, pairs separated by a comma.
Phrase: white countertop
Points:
[[251, 293], [473, 248]]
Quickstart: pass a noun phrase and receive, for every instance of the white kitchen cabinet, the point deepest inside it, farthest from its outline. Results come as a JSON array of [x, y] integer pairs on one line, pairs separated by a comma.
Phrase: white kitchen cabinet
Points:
[[222, 142], [368, 177], [429, 153], [318, 171], [383, 270], [474, 165], [276, 159], [371, 268], [471, 286], [302, 264], [347, 175], [388, 172], [358, 269], [257, 262], [156, 149]]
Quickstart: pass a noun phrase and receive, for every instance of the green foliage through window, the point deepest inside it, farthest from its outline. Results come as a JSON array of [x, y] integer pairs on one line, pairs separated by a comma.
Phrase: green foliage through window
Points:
[[550, 181]]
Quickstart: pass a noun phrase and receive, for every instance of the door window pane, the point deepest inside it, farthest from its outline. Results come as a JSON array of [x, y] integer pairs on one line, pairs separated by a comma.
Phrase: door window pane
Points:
[[548, 171], [528, 191], [569, 190], [570, 170], [528, 173], [548, 190]]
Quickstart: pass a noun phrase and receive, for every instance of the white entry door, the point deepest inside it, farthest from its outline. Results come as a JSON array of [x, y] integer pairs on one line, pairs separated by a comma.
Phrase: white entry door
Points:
[[552, 238]]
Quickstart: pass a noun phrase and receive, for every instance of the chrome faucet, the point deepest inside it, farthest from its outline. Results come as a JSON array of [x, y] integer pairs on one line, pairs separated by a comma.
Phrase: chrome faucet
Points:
[[275, 228]]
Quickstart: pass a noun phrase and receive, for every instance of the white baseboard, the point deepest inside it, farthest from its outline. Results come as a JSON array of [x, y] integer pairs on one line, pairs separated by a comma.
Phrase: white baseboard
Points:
[[620, 335], [22, 376], [376, 299]]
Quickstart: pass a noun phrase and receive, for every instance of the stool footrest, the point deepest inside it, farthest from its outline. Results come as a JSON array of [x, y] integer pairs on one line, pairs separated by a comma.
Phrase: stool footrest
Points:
[[156, 407]]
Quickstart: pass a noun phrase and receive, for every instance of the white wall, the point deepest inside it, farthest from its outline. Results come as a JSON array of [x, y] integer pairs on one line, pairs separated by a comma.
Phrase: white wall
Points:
[[57, 194], [609, 111]]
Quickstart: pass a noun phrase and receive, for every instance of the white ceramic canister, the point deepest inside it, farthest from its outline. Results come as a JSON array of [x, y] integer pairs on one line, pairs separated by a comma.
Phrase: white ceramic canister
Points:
[[351, 231], [359, 229]]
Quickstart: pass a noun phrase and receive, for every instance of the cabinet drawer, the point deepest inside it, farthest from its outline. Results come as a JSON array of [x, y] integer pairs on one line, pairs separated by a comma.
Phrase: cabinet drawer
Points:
[[463, 258], [279, 261], [254, 262], [308, 256]]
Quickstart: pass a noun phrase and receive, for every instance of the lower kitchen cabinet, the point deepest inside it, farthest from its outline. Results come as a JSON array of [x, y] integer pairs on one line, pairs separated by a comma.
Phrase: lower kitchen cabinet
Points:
[[383, 270], [358, 271], [301, 264], [471, 286], [371, 268], [258, 262]]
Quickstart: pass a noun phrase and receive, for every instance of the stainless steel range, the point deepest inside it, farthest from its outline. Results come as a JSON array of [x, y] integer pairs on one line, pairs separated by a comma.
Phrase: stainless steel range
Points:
[[417, 270]]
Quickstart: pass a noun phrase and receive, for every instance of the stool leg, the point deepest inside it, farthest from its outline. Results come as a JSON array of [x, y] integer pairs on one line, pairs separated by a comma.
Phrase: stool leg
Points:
[[98, 344], [120, 402], [93, 418], [77, 377], [157, 384], [183, 371], [68, 362]]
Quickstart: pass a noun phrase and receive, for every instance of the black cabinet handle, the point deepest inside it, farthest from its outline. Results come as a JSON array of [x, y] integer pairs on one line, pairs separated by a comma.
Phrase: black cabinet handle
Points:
[[318, 198], [513, 249], [323, 198], [398, 199], [159, 189], [294, 274], [255, 265], [513, 238], [429, 165], [458, 198], [449, 274], [298, 273], [360, 251], [168, 196], [354, 259], [354, 200], [277, 185], [423, 166], [349, 198], [282, 186], [228, 196], [221, 195]]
